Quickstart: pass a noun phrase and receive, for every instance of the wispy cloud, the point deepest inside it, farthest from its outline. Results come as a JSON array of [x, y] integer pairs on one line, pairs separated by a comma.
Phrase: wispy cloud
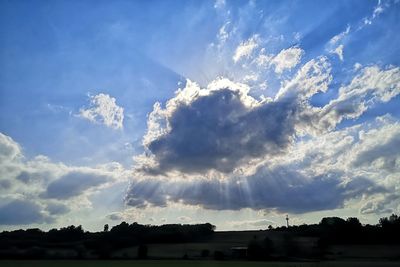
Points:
[[246, 48]]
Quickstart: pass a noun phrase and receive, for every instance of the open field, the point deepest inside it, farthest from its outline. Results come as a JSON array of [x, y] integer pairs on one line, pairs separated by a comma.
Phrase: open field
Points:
[[155, 263]]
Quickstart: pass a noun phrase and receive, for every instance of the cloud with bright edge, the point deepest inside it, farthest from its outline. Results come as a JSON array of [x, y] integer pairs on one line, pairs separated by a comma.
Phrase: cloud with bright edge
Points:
[[103, 109], [220, 148]]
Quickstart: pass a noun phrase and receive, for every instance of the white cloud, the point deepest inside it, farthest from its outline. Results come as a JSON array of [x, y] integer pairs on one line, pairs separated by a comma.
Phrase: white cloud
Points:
[[371, 85], [357, 66], [9, 150], [339, 51], [337, 38], [287, 59], [336, 46], [378, 9], [246, 48], [314, 76], [104, 110]]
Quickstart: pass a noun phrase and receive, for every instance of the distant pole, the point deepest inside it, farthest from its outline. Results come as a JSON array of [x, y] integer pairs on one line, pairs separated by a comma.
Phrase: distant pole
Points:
[[287, 221]]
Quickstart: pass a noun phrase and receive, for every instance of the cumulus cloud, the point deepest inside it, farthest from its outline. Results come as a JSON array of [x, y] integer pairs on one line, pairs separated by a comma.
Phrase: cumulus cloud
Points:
[[22, 212], [220, 148], [9, 150], [315, 175], [202, 129], [104, 110], [29, 187], [287, 59]]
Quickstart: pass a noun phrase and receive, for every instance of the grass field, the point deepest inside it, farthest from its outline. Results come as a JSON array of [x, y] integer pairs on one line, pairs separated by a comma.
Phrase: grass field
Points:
[[155, 263]]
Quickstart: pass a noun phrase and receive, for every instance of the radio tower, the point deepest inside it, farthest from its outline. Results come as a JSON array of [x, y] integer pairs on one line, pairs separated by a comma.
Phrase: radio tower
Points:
[[287, 221]]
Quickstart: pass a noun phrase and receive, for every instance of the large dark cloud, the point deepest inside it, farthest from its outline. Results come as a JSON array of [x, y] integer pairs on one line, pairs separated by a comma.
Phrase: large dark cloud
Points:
[[73, 184], [278, 188], [218, 131], [20, 212]]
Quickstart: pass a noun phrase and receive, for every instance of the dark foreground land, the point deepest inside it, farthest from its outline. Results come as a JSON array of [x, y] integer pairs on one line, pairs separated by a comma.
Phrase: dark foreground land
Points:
[[182, 263], [332, 242]]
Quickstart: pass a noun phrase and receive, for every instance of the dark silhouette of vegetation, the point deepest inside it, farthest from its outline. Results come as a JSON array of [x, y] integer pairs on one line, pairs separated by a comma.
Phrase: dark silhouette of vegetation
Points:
[[142, 252], [219, 255], [73, 242], [205, 253], [255, 250]]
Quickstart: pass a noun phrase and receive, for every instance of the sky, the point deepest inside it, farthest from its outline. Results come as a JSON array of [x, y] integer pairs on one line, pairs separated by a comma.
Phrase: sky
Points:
[[235, 113]]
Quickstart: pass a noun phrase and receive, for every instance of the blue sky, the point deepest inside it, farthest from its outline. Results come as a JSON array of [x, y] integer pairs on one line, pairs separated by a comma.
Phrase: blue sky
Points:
[[230, 112]]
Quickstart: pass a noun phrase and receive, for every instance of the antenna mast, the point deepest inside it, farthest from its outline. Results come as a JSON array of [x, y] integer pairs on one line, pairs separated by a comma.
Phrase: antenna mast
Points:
[[287, 221]]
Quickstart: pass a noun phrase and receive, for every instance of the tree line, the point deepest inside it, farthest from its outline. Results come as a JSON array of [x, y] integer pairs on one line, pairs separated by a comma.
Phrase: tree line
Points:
[[33, 243], [72, 242]]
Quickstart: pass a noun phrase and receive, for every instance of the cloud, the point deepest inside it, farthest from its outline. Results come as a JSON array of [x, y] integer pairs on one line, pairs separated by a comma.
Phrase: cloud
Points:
[[278, 188], [337, 38], [252, 224], [339, 51], [22, 212], [219, 148], [203, 129], [115, 216], [381, 204], [32, 185], [9, 150], [370, 86], [185, 218], [246, 48], [313, 77], [128, 215], [287, 59], [314, 175], [74, 184], [379, 8], [219, 4], [104, 110], [336, 46], [379, 148], [55, 208]]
